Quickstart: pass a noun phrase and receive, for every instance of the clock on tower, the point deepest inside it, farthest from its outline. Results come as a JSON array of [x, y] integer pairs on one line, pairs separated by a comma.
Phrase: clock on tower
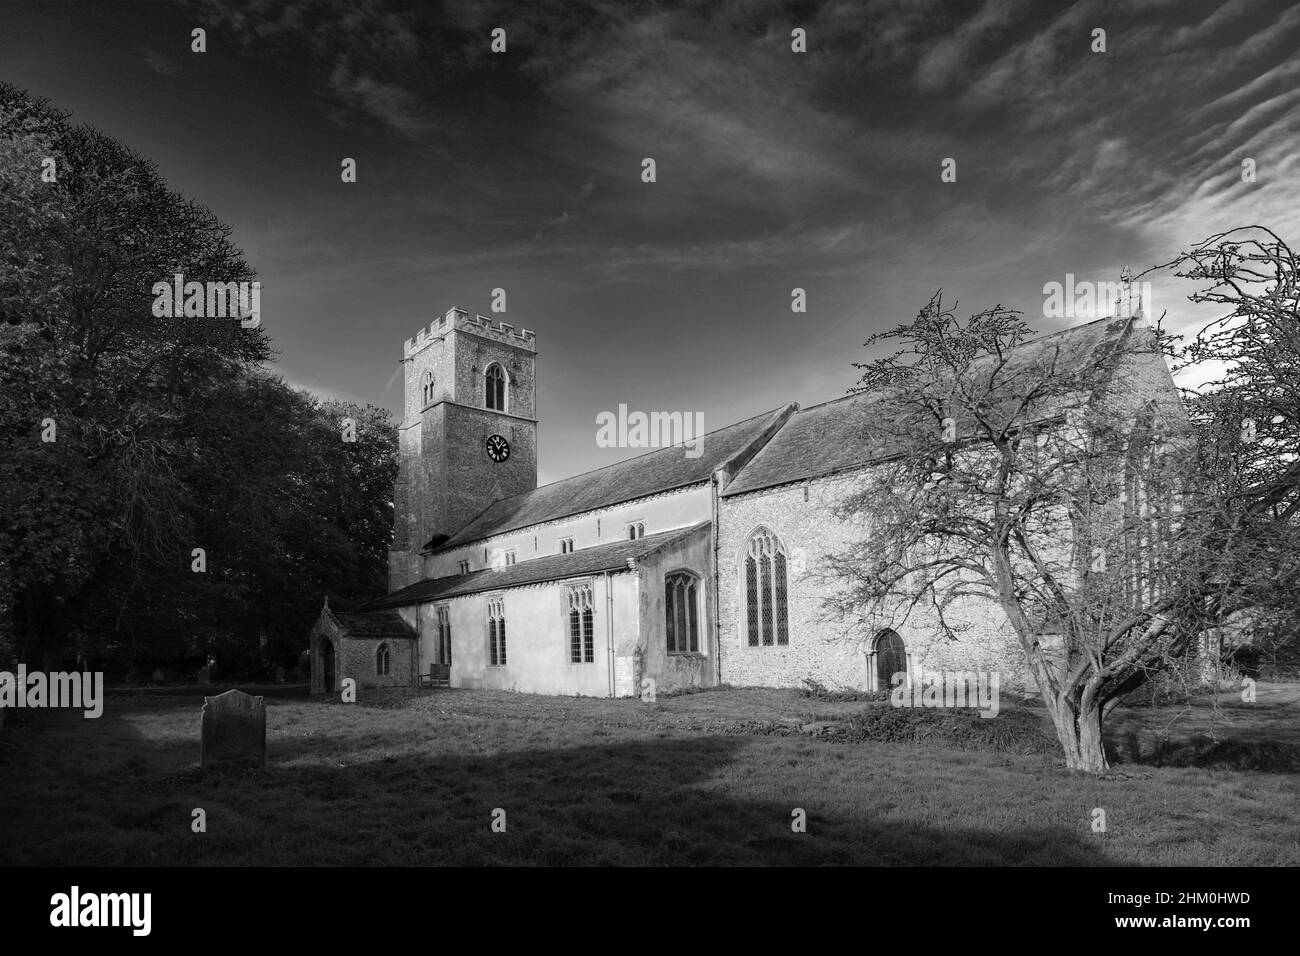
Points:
[[498, 448]]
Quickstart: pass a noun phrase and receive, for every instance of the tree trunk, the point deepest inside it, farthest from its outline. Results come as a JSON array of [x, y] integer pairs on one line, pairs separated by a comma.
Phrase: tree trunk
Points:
[[1079, 730]]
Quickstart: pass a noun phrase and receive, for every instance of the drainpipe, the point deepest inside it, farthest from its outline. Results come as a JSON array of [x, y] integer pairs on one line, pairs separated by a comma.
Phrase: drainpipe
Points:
[[419, 639], [609, 632], [715, 487]]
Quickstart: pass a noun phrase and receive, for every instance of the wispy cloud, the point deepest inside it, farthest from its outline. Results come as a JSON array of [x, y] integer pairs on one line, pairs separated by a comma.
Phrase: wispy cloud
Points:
[[775, 169], [159, 62]]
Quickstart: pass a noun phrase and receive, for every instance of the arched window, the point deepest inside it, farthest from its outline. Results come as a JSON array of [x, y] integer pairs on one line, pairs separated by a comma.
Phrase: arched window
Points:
[[582, 645], [497, 632], [444, 635], [766, 596], [426, 388], [383, 662], [682, 612], [496, 380], [890, 657]]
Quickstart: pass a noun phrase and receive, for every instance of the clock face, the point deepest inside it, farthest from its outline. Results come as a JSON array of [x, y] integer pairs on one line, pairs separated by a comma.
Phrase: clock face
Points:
[[498, 448]]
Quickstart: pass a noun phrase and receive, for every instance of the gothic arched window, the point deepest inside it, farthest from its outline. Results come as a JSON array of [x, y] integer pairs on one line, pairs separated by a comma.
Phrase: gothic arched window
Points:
[[496, 632], [383, 661], [426, 388], [766, 597], [495, 377], [444, 635], [582, 645], [682, 612]]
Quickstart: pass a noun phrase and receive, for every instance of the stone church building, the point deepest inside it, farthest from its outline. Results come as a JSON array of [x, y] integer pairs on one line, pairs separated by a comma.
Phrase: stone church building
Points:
[[686, 571]]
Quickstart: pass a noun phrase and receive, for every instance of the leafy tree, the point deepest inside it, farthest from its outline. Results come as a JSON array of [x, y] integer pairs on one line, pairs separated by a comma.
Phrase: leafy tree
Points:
[[81, 254], [168, 434]]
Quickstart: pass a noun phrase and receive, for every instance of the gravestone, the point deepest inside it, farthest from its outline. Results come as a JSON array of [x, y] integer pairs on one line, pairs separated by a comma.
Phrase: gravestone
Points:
[[205, 675], [157, 675], [233, 730]]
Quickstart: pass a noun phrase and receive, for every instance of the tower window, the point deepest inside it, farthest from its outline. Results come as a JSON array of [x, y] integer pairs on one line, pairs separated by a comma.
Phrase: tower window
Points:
[[426, 388], [496, 633], [383, 661], [636, 530], [566, 546], [495, 378], [464, 567], [766, 598], [582, 644]]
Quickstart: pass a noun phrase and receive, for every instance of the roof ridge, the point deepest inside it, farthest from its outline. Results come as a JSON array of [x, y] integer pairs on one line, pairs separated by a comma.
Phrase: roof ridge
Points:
[[431, 589], [609, 485], [653, 451], [788, 458], [1017, 345]]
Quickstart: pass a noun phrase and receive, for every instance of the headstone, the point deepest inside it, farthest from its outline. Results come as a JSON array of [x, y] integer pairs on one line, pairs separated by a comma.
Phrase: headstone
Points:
[[158, 675], [205, 675], [233, 730]]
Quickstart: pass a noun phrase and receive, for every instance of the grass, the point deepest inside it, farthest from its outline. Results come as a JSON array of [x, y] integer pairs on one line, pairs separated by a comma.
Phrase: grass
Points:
[[413, 777]]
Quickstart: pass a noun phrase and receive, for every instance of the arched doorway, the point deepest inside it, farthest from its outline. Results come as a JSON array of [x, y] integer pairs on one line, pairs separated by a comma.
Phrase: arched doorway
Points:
[[327, 665], [891, 659]]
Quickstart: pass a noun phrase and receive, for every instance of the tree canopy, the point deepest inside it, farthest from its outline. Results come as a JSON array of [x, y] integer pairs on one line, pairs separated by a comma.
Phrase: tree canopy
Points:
[[128, 441]]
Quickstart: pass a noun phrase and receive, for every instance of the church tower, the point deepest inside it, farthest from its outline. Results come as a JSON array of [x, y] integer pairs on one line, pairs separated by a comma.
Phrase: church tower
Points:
[[468, 435]]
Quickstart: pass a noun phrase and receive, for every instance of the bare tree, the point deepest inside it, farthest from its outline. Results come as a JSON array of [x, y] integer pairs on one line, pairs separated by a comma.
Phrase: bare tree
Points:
[[1247, 419], [1047, 476]]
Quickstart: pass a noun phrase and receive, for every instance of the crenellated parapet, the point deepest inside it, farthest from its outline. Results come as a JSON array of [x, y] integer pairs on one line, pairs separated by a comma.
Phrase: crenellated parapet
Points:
[[462, 320]]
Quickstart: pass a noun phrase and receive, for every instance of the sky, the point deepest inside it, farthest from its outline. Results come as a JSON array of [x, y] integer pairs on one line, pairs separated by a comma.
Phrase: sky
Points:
[[775, 170]]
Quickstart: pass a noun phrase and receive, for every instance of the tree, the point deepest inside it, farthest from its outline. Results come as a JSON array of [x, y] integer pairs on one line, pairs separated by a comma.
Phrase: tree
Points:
[[166, 437], [1247, 419], [1028, 473], [88, 226]]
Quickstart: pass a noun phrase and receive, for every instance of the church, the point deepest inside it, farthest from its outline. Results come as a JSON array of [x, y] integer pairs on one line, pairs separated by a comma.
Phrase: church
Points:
[[666, 572]]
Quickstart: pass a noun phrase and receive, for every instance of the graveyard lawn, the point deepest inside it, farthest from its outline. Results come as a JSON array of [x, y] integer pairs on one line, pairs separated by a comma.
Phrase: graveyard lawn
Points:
[[414, 778]]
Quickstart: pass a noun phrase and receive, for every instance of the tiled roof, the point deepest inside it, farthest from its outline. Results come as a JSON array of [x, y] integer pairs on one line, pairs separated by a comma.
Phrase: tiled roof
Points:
[[658, 471], [604, 557], [372, 624], [832, 437]]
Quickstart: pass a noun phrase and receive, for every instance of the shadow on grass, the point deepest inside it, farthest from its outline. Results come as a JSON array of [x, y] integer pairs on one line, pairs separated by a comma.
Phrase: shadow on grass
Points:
[[675, 800], [1262, 737], [1207, 753]]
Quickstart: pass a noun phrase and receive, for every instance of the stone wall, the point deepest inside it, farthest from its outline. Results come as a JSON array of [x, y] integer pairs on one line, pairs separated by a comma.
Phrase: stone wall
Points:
[[836, 652], [676, 671], [355, 657], [359, 662], [823, 648], [445, 477]]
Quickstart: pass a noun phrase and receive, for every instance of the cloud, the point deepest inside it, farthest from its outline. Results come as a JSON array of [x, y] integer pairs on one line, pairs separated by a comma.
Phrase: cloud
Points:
[[159, 62], [767, 158]]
